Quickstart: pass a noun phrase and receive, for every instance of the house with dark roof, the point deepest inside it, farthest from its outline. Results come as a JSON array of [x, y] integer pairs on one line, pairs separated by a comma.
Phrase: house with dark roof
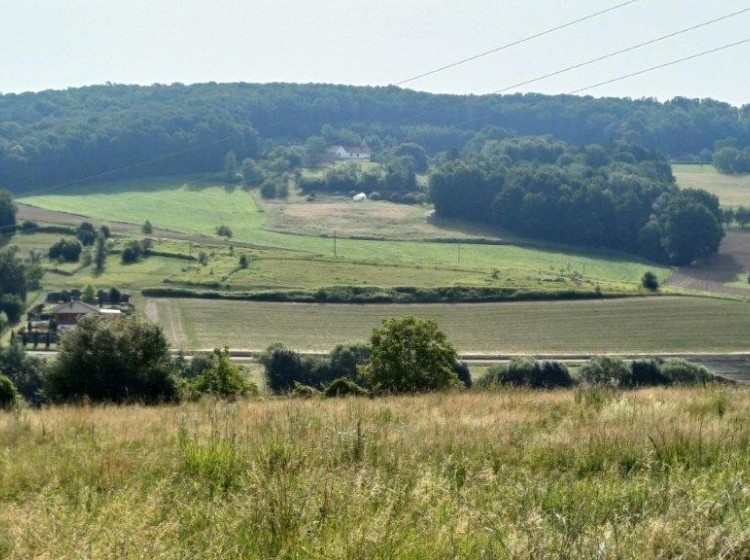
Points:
[[66, 315]]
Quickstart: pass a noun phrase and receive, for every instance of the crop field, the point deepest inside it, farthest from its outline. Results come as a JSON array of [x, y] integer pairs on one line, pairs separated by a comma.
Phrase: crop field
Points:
[[659, 473], [635, 325], [732, 190], [198, 207]]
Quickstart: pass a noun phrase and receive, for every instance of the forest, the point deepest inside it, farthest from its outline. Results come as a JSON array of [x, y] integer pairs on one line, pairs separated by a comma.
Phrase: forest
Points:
[[622, 197], [53, 137]]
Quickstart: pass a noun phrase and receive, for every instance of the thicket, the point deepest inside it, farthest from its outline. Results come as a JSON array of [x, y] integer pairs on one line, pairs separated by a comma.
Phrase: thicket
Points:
[[284, 368], [526, 372], [614, 372]]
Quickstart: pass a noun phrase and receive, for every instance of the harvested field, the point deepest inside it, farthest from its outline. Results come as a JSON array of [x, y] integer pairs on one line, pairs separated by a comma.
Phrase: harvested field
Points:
[[637, 325]]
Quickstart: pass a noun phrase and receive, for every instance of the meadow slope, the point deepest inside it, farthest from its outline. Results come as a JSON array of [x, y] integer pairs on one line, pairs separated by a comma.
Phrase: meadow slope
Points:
[[653, 474]]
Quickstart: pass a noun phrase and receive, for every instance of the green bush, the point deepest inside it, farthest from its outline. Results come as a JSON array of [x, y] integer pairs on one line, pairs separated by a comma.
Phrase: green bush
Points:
[[684, 373], [526, 372], [223, 378], [24, 371], [112, 360], [301, 391], [410, 355], [605, 370], [648, 373], [8, 394], [344, 386], [649, 281]]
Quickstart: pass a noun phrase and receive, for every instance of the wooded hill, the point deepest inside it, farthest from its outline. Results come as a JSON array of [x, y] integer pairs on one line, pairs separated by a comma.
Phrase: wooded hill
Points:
[[56, 136]]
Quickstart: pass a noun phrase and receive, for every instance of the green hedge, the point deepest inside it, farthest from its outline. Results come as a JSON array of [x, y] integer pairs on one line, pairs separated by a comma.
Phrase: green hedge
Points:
[[359, 294]]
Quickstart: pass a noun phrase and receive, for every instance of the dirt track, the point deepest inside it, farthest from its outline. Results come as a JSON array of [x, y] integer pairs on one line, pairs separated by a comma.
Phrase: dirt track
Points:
[[732, 261]]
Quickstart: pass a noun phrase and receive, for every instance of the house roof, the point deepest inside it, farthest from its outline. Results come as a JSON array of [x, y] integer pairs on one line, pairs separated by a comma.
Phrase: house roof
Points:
[[74, 308]]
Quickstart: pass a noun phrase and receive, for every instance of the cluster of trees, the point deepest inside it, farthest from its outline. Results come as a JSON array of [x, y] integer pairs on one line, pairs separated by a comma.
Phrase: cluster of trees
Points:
[[122, 360], [404, 355], [17, 278], [397, 178], [128, 359], [599, 371], [732, 161], [54, 136], [620, 197]]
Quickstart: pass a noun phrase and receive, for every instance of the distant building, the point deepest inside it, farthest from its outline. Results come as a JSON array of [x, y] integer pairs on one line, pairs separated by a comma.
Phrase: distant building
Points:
[[349, 152], [66, 315]]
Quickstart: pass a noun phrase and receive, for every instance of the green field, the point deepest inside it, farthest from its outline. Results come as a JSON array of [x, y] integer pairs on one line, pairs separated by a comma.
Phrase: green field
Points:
[[197, 207], [637, 325], [586, 473], [732, 190]]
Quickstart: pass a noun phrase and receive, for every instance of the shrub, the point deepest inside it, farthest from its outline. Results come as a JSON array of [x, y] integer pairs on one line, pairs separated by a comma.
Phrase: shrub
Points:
[[376, 196], [24, 371], [268, 189], [344, 386], [244, 261], [683, 372], [604, 370], [29, 225], [147, 228], [86, 233], [224, 231], [222, 378], [410, 355], [132, 252], [68, 250], [462, 371], [525, 372], [113, 360], [649, 281], [8, 394], [283, 368], [301, 391], [647, 373]]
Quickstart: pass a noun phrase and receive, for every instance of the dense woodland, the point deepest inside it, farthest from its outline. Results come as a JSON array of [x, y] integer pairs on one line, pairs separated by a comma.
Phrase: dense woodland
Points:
[[623, 197], [52, 137]]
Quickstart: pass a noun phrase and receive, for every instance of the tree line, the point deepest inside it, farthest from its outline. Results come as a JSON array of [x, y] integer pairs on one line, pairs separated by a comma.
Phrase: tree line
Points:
[[620, 196], [51, 137], [128, 360]]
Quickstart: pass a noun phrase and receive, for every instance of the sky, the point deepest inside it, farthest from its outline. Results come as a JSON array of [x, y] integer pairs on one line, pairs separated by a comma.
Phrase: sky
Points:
[[55, 44]]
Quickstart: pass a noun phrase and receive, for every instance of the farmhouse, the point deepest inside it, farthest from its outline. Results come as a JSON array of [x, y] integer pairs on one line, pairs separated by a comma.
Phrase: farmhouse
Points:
[[349, 152], [66, 315]]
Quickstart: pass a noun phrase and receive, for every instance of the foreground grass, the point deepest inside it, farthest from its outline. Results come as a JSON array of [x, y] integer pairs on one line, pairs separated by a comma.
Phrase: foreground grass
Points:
[[652, 474], [648, 325]]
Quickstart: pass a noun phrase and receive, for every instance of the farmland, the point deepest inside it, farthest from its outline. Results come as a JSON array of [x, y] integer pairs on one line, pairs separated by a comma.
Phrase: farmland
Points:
[[197, 207], [639, 325], [658, 473], [732, 190]]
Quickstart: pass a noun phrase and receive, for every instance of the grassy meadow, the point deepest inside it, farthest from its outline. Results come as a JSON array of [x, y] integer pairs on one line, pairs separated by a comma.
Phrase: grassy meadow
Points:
[[653, 474], [197, 206], [732, 190], [635, 325]]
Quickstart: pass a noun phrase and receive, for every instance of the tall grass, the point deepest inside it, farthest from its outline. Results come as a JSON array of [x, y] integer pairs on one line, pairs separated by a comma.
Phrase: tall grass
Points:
[[660, 473]]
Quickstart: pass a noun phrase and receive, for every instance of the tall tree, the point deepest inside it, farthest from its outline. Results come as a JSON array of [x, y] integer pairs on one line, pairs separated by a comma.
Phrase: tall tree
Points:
[[8, 211]]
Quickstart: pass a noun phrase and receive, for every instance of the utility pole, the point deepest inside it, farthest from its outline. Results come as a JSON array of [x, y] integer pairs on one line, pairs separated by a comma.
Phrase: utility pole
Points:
[[335, 252], [459, 252]]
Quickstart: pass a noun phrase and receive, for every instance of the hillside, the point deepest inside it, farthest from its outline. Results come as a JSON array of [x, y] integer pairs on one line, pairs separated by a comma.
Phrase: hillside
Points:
[[57, 136], [658, 473]]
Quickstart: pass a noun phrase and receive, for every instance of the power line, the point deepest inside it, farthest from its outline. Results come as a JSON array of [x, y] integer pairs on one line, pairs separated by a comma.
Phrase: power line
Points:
[[666, 64], [626, 76], [515, 43], [623, 51]]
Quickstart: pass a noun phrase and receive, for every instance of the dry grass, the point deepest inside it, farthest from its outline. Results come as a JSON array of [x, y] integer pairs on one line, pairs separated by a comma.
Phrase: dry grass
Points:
[[586, 474]]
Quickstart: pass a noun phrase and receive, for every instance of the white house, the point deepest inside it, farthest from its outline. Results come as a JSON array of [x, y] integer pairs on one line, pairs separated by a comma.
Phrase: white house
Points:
[[359, 197], [349, 152]]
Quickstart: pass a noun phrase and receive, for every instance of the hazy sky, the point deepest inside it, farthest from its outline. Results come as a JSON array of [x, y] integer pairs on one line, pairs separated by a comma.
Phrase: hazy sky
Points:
[[61, 43]]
